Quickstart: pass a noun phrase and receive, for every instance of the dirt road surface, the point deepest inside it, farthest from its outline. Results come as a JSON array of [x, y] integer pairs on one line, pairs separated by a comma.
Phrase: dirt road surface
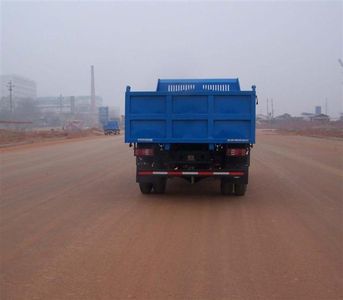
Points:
[[75, 226]]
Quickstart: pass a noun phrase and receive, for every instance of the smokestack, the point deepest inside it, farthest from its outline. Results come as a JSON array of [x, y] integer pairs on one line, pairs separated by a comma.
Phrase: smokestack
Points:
[[92, 90]]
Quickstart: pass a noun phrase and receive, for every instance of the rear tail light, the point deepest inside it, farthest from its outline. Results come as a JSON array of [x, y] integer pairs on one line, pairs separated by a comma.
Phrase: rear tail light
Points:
[[236, 152], [144, 152]]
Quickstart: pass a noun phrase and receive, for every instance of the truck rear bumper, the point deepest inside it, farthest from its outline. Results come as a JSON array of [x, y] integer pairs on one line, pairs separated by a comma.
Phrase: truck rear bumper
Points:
[[234, 176], [190, 173]]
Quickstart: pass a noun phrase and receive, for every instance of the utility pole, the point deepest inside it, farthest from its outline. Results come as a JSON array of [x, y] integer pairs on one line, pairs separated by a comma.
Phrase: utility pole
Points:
[[272, 114], [326, 106], [267, 108], [340, 64], [72, 104], [92, 91], [10, 88], [61, 103]]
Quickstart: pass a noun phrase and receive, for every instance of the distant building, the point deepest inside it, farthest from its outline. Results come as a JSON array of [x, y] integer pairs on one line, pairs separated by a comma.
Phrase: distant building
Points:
[[23, 88], [103, 114], [307, 116], [321, 118], [262, 117], [314, 117], [67, 104], [318, 110], [283, 117]]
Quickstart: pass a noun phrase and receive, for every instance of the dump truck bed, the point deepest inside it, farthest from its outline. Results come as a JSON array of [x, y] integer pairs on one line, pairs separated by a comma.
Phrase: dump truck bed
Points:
[[191, 111]]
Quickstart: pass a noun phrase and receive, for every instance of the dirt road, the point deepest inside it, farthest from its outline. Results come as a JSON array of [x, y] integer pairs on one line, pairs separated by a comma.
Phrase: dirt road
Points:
[[75, 226]]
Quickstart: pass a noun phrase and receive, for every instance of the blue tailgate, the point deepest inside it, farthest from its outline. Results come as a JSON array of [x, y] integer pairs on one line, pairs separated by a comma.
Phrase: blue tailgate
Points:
[[191, 111]]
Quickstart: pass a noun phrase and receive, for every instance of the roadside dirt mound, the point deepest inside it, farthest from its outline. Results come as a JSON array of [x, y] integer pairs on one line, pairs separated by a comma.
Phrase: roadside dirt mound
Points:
[[8, 137], [315, 132]]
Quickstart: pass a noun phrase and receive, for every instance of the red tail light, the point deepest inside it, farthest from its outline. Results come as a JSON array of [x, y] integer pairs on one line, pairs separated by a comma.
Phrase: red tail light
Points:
[[144, 152], [236, 152]]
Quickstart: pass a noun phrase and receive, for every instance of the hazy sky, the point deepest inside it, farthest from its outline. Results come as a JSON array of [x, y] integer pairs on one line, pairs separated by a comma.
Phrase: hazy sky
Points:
[[289, 50]]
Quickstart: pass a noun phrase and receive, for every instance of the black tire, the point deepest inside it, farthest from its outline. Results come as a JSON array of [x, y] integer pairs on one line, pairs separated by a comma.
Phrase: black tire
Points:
[[226, 188], [240, 189], [160, 186], [145, 187]]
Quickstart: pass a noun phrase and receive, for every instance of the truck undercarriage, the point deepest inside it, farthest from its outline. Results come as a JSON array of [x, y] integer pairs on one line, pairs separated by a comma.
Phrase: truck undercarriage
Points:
[[192, 162]]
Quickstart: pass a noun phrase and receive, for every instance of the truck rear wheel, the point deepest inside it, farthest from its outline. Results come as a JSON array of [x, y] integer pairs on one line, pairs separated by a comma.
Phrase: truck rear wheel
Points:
[[160, 186], [226, 188], [145, 187], [240, 189]]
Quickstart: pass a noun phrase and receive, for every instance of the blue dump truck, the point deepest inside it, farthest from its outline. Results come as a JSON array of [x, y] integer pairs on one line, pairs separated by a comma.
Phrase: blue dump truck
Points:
[[111, 127], [191, 129]]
